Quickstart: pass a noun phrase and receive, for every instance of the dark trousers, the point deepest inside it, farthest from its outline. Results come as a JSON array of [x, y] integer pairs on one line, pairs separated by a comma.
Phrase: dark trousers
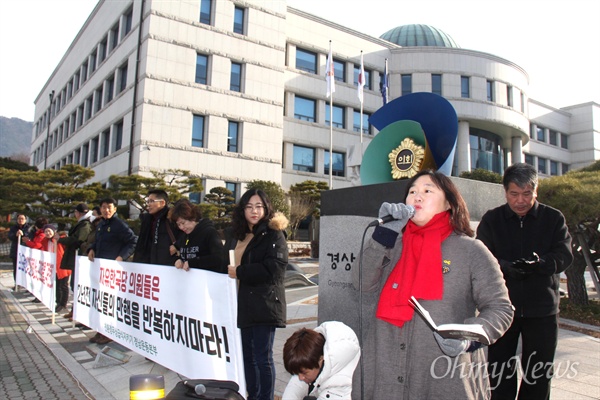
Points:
[[257, 346], [539, 337], [62, 291]]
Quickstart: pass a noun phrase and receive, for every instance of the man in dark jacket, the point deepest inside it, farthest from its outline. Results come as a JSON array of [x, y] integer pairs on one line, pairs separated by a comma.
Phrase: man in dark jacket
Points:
[[114, 241], [18, 230], [74, 242], [533, 246], [158, 235]]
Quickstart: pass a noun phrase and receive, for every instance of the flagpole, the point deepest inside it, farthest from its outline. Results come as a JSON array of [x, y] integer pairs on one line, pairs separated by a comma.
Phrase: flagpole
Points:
[[332, 78]]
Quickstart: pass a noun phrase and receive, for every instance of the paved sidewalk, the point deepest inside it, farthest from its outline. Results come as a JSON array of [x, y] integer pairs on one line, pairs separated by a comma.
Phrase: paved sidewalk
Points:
[[58, 362]]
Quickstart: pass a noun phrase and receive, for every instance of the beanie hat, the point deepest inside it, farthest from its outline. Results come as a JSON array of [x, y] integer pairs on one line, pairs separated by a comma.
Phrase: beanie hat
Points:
[[82, 208]]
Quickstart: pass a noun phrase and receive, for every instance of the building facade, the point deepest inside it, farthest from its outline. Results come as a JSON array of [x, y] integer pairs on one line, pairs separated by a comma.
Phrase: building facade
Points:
[[235, 91]]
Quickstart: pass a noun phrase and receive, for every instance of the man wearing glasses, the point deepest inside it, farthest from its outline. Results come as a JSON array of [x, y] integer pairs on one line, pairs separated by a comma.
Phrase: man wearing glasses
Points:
[[157, 234]]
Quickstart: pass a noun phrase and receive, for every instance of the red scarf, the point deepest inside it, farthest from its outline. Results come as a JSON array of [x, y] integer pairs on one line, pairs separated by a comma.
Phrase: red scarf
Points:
[[418, 272]]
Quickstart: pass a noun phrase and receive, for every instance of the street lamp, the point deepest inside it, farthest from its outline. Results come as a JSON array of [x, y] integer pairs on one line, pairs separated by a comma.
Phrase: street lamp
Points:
[[51, 95]]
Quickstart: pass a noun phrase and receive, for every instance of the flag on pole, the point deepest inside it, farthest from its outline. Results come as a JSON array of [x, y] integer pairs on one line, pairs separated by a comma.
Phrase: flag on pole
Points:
[[330, 74], [385, 85], [361, 79]]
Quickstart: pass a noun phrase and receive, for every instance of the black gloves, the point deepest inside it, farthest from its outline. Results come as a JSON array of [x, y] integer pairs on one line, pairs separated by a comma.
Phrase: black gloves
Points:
[[521, 268]]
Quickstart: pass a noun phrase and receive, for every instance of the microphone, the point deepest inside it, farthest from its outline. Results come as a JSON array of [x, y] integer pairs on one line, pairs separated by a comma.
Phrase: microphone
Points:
[[388, 218], [200, 389]]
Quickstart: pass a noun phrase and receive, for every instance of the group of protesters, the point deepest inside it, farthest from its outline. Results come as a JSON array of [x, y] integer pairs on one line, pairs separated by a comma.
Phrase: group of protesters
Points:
[[505, 279]]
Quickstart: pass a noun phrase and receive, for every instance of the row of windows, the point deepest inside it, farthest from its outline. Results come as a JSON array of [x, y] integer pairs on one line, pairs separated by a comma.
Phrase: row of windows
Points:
[[100, 52], [98, 99], [546, 166], [239, 16], [307, 61], [202, 75], [549, 136], [305, 109], [102, 145], [304, 159]]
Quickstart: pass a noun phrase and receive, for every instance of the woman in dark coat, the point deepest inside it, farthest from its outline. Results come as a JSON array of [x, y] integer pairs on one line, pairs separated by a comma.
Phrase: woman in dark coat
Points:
[[199, 244], [258, 241], [17, 232]]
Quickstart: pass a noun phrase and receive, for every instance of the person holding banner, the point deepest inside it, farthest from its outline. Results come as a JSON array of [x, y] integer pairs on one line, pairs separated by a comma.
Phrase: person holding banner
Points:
[[74, 243], [200, 245], [114, 241], [158, 234], [257, 239], [17, 233], [37, 239], [52, 245]]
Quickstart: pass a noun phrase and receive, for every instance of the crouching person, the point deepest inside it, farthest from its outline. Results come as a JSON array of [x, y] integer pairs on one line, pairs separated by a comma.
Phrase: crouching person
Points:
[[322, 362]]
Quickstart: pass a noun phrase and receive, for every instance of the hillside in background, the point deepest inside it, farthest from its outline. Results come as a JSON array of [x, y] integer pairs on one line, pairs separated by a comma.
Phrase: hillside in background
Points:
[[15, 136]]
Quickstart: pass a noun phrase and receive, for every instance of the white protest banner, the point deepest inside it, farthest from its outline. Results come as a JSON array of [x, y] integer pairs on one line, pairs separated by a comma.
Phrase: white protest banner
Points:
[[35, 272], [184, 320]]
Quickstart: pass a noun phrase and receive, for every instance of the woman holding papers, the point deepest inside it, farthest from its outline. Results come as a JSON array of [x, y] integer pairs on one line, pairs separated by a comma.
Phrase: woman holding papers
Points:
[[428, 251], [258, 241], [200, 245]]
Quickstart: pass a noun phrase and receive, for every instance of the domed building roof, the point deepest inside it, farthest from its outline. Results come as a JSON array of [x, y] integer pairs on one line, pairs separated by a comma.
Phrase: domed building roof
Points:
[[419, 35]]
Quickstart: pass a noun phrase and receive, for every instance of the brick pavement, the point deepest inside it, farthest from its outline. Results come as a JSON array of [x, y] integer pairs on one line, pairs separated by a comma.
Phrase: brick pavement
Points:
[[28, 368]]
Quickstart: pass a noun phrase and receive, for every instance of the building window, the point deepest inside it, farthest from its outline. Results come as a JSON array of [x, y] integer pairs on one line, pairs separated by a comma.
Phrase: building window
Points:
[[110, 88], [128, 22], [80, 116], [232, 136], [564, 141], [114, 37], [509, 96], [304, 109], [117, 136], [306, 61], [84, 155], [490, 90], [356, 122], [236, 77], [367, 76], [304, 158], [84, 72], [122, 76], [486, 150], [75, 82], [436, 84], [339, 164], [88, 108], [198, 131], [102, 49], [553, 137], [339, 70], [201, 69], [233, 188], [553, 168], [465, 87], [92, 60], [541, 134], [98, 100], [542, 165], [529, 160], [105, 143], [565, 168], [194, 197], [238, 20], [94, 149], [76, 156], [522, 102], [406, 80], [205, 11], [338, 116]]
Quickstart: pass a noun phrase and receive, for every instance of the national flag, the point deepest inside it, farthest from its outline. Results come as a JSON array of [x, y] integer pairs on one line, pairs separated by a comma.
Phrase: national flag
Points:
[[330, 74], [385, 85], [361, 78]]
